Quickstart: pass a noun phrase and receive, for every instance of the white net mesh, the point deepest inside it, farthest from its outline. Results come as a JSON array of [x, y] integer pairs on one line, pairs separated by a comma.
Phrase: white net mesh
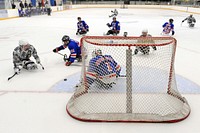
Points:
[[133, 80]]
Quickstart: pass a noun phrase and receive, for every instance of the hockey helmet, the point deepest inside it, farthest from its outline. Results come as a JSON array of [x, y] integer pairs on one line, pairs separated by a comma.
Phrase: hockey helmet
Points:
[[96, 52], [79, 18], [65, 38], [171, 20], [145, 31], [23, 42], [114, 18]]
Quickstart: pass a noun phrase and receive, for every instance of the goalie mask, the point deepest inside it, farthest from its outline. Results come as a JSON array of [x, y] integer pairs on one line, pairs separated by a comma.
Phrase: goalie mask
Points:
[[144, 32], [96, 52]]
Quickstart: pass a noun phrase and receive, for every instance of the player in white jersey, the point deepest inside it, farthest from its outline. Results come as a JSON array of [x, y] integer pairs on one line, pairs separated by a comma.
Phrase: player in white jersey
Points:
[[144, 49], [190, 20]]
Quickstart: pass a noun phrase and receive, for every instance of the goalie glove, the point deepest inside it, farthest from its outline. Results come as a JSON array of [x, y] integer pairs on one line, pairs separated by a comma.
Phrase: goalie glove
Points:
[[68, 63]]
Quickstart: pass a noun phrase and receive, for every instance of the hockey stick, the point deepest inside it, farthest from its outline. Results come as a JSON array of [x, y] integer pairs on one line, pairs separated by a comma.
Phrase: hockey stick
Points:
[[60, 54], [64, 56], [122, 75], [41, 66], [12, 76]]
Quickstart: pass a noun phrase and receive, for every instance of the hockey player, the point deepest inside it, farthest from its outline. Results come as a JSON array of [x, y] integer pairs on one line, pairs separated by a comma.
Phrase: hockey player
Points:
[[168, 27], [190, 20], [144, 49], [103, 69], [83, 28], [114, 13], [73, 46], [21, 57], [115, 27]]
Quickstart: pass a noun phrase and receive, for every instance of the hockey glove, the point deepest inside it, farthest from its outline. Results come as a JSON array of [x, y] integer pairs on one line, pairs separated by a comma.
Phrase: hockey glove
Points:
[[108, 24], [154, 47], [55, 50], [65, 58], [68, 63], [38, 61], [17, 70], [173, 33]]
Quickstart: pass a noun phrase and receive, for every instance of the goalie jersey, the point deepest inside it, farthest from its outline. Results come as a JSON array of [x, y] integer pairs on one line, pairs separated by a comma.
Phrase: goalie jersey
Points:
[[104, 68]]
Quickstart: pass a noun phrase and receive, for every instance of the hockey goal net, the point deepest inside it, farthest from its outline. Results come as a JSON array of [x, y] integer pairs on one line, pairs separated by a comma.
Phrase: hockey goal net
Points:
[[145, 91]]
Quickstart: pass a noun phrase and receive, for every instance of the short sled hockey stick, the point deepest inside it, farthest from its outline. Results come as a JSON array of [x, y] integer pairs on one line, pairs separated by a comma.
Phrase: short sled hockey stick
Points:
[[41, 66], [64, 56], [60, 54], [12, 76]]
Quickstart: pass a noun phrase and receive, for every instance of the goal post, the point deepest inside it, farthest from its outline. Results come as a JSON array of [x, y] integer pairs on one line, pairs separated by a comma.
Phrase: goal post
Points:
[[144, 91]]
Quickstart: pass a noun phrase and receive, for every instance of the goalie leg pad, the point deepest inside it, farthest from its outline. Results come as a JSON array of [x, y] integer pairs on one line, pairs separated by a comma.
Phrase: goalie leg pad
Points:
[[144, 49]]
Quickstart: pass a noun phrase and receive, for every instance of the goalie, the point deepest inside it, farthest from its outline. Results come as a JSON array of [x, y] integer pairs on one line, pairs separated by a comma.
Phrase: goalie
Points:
[[103, 69], [144, 49]]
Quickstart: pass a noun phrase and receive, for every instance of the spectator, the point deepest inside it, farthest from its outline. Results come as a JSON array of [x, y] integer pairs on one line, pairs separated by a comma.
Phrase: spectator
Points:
[[21, 5]]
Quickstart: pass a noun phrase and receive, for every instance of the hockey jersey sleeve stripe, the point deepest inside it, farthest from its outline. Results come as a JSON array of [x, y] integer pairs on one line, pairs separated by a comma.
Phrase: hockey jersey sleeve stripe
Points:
[[91, 75], [108, 76], [73, 55]]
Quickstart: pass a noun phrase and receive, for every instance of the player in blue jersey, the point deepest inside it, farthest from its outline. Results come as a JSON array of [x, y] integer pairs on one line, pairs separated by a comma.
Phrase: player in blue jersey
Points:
[[83, 28], [103, 69], [168, 27], [73, 46], [115, 27], [190, 20]]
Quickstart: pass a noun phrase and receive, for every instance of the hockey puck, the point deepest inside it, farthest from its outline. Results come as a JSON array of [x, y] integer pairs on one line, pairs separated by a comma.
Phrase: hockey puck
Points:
[[65, 79]]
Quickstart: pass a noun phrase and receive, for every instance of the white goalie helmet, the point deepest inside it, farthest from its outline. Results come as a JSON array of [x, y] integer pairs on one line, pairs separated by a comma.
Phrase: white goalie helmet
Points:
[[23, 42], [145, 31], [96, 52]]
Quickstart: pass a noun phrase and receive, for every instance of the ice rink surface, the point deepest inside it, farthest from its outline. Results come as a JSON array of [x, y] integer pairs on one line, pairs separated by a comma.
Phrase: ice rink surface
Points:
[[28, 104]]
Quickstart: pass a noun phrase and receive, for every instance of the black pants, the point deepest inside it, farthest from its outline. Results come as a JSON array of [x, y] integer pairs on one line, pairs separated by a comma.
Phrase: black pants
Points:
[[113, 32], [49, 11]]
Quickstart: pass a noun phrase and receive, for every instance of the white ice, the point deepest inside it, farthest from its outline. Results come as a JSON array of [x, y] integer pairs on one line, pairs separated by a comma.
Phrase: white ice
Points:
[[28, 106]]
